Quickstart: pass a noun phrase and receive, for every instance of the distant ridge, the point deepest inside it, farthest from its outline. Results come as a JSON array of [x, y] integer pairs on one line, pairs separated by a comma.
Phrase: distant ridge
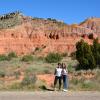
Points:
[[23, 34]]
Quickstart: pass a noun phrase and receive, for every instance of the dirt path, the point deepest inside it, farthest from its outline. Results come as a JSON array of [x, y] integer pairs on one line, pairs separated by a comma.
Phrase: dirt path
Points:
[[50, 95]]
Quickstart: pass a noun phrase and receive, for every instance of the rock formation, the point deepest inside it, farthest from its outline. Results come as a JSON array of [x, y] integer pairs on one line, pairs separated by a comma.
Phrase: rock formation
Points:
[[25, 35]]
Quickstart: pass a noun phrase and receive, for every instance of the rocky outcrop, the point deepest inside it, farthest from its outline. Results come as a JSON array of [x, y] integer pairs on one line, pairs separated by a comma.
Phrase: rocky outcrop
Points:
[[41, 36]]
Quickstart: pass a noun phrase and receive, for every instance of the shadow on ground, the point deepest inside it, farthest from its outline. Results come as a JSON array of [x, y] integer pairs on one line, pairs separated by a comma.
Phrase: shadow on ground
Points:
[[43, 87]]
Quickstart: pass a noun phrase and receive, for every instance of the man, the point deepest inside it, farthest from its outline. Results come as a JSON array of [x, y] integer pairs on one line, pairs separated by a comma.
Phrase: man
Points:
[[58, 76]]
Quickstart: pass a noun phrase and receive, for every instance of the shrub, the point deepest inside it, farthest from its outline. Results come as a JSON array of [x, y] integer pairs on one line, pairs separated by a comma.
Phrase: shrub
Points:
[[96, 51], [70, 68], [12, 55], [53, 57], [3, 57], [88, 55], [85, 56], [27, 58], [37, 48], [28, 80], [65, 54]]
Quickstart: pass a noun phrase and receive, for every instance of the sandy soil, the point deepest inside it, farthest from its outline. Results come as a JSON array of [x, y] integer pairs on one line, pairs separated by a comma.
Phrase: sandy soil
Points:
[[50, 95]]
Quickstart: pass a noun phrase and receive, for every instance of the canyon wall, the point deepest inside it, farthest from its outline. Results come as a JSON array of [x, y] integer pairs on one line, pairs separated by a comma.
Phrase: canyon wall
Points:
[[41, 36]]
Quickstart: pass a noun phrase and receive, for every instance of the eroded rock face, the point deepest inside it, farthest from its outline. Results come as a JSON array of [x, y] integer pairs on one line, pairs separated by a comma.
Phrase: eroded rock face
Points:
[[41, 36]]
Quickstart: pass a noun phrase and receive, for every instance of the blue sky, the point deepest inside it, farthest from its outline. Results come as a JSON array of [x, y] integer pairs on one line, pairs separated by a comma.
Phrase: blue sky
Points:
[[70, 11]]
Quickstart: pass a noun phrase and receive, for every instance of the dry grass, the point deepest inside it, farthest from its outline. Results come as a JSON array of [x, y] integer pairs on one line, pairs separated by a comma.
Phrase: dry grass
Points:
[[15, 70]]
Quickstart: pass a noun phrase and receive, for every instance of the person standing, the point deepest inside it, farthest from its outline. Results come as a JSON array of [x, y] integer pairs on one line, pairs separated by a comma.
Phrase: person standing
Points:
[[58, 76], [65, 77]]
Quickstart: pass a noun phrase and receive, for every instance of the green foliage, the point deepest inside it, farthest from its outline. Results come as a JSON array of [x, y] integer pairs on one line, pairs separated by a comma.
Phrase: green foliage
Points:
[[53, 58], [88, 55], [12, 55], [85, 56], [51, 19], [59, 23], [27, 58], [65, 54], [88, 85], [70, 68], [37, 48], [3, 57], [96, 51], [8, 57], [84, 84]]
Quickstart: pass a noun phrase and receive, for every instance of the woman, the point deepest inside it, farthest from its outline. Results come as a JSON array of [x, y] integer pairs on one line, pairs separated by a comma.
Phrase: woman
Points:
[[65, 77], [58, 76]]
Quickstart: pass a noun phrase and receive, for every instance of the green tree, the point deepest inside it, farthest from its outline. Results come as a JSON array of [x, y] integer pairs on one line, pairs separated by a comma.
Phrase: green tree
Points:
[[85, 56], [96, 51]]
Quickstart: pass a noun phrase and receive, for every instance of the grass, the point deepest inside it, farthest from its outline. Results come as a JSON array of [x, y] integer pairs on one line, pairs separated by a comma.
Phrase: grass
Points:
[[15, 66], [91, 84]]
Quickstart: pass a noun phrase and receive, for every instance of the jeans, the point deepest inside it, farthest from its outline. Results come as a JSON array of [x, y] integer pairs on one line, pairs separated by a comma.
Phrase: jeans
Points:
[[56, 80], [65, 81]]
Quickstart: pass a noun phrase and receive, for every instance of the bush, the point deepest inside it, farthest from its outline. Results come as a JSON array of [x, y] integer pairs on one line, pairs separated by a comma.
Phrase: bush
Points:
[[28, 80], [53, 58], [88, 55], [70, 68], [96, 51], [65, 54], [27, 58], [12, 55], [3, 57], [85, 56]]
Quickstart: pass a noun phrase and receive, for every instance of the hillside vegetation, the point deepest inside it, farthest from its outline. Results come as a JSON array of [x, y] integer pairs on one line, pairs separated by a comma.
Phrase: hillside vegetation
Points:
[[10, 20]]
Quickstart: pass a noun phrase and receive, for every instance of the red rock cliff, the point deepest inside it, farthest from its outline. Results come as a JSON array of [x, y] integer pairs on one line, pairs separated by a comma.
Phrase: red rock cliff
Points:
[[25, 35]]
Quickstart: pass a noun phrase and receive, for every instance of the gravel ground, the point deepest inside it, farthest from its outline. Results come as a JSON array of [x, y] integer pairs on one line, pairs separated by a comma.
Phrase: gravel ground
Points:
[[51, 95]]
